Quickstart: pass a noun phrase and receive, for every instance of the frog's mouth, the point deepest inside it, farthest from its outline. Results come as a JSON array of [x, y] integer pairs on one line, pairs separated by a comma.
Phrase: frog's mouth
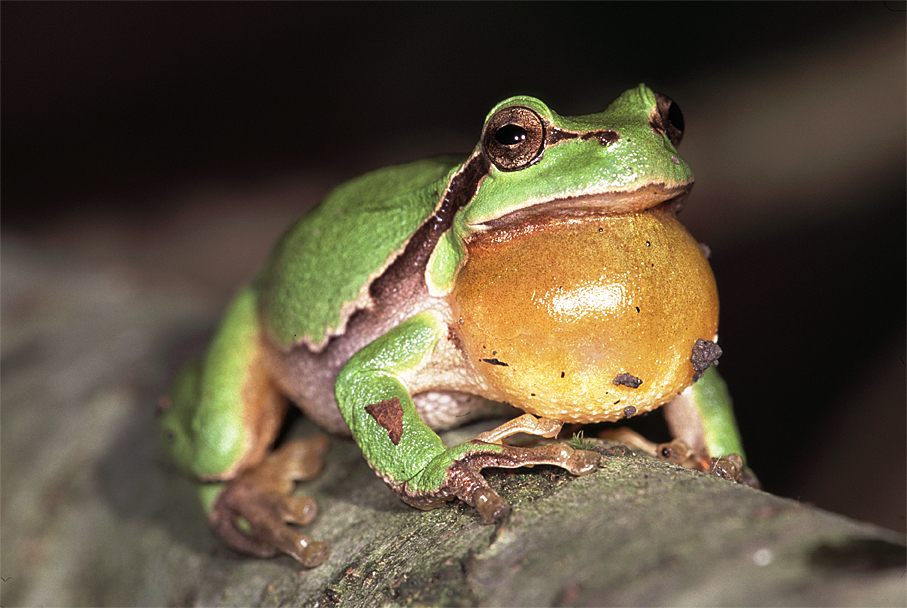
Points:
[[592, 205]]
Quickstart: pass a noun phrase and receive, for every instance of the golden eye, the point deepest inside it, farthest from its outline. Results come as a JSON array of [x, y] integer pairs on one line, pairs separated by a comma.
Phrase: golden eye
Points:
[[514, 138]]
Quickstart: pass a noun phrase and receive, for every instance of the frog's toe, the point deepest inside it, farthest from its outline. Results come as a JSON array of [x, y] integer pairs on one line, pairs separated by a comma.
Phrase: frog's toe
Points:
[[311, 553], [298, 510], [491, 507], [308, 552], [577, 462], [465, 481], [679, 452]]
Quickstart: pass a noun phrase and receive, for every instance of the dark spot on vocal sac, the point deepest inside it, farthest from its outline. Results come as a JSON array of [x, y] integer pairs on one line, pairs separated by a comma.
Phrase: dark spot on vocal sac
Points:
[[495, 362], [704, 354], [628, 380]]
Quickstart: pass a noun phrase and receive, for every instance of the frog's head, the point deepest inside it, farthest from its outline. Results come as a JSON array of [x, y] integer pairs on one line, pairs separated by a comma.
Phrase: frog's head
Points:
[[535, 165], [621, 160]]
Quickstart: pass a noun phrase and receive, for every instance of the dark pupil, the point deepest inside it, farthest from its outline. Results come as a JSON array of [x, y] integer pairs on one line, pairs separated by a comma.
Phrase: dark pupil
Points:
[[510, 135]]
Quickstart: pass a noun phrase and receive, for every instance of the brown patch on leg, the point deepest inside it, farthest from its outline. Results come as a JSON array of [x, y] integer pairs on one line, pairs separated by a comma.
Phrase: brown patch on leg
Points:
[[389, 414]]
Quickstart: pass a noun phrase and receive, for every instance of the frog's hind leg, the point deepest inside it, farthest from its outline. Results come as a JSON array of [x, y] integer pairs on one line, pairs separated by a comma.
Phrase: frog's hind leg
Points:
[[254, 511], [221, 422], [224, 411], [701, 418]]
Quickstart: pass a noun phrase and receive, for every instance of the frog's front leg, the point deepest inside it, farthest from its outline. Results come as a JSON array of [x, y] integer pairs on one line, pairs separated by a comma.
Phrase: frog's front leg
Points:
[[456, 473], [376, 404]]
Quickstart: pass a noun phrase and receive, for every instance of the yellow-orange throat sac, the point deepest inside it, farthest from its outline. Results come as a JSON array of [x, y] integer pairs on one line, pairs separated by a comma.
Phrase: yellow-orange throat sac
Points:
[[563, 317]]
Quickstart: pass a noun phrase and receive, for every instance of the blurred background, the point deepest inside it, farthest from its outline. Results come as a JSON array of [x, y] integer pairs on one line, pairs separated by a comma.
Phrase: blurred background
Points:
[[177, 140]]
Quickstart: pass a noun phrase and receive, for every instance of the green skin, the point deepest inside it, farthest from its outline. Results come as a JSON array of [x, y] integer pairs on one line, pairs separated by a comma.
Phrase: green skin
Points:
[[336, 325]]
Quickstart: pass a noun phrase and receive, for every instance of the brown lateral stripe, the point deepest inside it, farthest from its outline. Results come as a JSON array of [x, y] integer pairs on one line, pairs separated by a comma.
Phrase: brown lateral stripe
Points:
[[414, 259], [555, 136]]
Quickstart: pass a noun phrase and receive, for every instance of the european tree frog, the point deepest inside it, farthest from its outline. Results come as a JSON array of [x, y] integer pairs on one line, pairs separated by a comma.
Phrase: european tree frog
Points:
[[546, 270]]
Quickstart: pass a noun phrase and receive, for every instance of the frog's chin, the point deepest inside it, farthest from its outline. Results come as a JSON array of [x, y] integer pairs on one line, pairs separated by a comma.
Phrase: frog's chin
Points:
[[590, 205]]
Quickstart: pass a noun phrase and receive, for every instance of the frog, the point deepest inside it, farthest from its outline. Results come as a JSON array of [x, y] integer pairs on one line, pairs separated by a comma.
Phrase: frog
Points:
[[544, 277]]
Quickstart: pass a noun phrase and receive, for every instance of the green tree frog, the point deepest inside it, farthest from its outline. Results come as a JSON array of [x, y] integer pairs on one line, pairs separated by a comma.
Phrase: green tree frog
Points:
[[546, 272]]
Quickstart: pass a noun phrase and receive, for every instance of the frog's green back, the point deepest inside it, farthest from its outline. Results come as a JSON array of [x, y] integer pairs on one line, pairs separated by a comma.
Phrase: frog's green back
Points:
[[322, 265]]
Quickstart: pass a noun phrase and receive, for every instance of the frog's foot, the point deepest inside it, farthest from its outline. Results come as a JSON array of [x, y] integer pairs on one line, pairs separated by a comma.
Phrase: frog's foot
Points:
[[253, 512], [730, 467], [629, 438], [464, 480], [676, 451]]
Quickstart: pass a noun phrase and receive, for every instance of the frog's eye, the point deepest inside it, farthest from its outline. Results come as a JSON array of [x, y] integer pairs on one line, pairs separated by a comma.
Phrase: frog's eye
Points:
[[667, 118], [514, 138]]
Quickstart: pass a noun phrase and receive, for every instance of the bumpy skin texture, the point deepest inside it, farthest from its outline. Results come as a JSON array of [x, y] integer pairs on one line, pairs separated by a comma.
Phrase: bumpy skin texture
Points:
[[546, 270]]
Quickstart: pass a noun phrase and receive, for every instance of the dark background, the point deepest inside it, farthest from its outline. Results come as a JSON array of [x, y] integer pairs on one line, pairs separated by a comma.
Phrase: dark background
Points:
[[131, 130]]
